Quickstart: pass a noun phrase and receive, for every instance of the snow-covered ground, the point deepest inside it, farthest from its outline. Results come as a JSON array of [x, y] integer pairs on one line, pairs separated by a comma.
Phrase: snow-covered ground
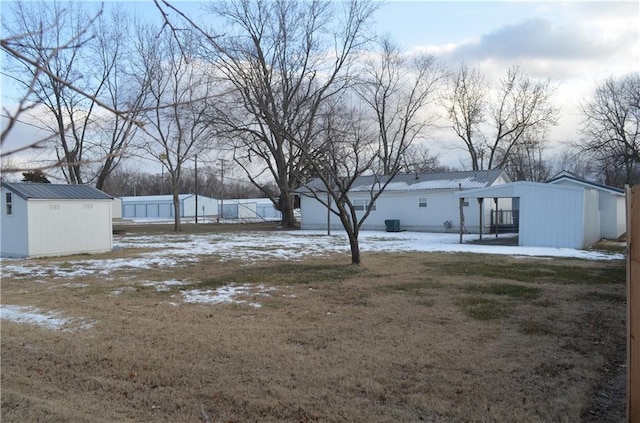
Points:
[[176, 249], [48, 319]]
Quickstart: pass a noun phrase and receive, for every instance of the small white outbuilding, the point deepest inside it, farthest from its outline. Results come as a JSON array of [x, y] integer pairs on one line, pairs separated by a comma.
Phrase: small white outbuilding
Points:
[[40, 220], [611, 203]]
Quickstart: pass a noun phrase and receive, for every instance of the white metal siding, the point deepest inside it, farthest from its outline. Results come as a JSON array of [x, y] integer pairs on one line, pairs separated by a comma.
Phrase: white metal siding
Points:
[[60, 227], [14, 238], [592, 232], [551, 217], [613, 215], [116, 208]]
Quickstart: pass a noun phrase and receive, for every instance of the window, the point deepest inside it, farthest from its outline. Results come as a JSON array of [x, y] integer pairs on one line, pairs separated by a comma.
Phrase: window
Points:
[[9, 204], [422, 202], [360, 203]]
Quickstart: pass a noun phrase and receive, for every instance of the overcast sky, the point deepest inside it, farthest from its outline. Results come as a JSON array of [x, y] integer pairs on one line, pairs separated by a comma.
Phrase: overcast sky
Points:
[[574, 44]]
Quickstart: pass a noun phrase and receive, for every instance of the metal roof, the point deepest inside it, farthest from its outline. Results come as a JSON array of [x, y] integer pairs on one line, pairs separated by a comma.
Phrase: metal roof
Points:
[[28, 191], [425, 181], [569, 176]]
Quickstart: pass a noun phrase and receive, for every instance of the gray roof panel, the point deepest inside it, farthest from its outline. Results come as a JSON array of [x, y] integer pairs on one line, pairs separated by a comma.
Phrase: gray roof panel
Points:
[[424, 181], [29, 191]]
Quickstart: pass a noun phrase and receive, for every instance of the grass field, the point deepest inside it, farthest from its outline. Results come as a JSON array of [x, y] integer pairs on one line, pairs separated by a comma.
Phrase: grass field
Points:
[[407, 337]]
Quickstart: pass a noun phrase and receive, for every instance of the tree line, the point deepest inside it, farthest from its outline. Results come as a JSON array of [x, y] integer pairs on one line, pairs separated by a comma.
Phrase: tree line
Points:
[[290, 93]]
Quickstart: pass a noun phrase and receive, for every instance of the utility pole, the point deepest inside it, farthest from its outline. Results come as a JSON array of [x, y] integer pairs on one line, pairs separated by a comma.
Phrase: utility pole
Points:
[[196, 175], [162, 157], [221, 211]]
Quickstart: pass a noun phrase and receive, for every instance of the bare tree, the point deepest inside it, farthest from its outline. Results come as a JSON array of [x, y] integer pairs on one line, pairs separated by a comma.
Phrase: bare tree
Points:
[[78, 82], [419, 159], [611, 127], [399, 89], [176, 114], [348, 150], [122, 89], [492, 126], [526, 162], [466, 105], [34, 49], [281, 61]]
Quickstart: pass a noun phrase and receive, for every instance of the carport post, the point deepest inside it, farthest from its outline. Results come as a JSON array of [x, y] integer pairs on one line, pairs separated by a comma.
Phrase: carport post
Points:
[[461, 215], [480, 207], [495, 200]]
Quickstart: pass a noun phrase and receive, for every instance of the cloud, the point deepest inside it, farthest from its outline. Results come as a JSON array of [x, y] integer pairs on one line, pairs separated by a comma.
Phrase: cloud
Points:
[[533, 39]]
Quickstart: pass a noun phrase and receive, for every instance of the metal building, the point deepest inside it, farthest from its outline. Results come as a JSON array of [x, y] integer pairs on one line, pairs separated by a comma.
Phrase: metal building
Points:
[[161, 206]]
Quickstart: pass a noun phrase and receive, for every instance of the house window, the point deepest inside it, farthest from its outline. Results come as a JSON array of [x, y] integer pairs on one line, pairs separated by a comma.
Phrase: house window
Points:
[[9, 204], [422, 202], [360, 204]]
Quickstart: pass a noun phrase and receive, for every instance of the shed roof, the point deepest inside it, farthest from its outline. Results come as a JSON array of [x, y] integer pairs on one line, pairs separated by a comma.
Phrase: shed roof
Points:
[[427, 181], [29, 190], [572, 177], [513, 190]]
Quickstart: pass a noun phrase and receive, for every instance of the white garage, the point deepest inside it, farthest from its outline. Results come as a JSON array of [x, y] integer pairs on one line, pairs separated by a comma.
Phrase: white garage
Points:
[[550, 215], [40, 220]]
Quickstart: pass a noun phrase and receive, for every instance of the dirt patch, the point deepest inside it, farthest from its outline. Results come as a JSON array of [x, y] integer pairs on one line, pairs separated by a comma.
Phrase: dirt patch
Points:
[[315, 340]]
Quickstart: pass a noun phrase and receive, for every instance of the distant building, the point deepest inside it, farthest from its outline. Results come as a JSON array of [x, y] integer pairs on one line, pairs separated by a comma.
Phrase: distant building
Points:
[[39, 220], [250, 208], [161, 207]]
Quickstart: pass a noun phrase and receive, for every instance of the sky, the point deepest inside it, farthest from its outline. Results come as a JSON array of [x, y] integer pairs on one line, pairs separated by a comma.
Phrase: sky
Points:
[[574, 44]]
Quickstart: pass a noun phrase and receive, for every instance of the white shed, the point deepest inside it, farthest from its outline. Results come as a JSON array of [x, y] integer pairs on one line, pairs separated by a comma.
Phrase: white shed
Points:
[[611, 203], [161, 206], [40, 220], [550, 215], [423, 202]]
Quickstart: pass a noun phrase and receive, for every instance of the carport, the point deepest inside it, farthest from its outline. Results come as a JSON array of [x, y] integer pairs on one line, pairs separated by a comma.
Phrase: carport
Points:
[[549, 215]]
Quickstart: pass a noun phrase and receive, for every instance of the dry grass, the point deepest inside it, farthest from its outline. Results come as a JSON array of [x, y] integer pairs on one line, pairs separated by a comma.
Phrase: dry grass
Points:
[[396, 340]]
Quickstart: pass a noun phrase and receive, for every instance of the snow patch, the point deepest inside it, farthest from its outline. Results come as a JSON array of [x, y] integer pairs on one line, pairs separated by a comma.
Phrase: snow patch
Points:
[[164, 285], [32, 315], [225, 295]]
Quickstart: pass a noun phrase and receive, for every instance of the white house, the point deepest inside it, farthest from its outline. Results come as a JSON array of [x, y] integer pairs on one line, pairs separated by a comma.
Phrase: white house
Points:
[[40, 220], [423, 202], [161, 206], [611, 203], [550, 215], [250, 208]]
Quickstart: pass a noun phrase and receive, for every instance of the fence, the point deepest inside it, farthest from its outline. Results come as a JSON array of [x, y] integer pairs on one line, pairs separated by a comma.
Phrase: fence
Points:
[[633, 304], [504, 221]]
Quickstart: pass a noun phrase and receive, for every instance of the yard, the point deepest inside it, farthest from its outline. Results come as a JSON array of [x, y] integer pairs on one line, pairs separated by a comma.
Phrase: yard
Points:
[[237, 323]]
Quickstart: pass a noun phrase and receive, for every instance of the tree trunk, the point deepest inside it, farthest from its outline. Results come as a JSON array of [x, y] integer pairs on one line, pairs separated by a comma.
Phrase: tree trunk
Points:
[[286, 208], [355, 249], [176, 206]]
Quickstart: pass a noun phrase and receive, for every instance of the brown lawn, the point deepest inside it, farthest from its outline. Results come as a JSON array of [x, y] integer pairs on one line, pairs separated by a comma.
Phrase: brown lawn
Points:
[[407, 337]]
